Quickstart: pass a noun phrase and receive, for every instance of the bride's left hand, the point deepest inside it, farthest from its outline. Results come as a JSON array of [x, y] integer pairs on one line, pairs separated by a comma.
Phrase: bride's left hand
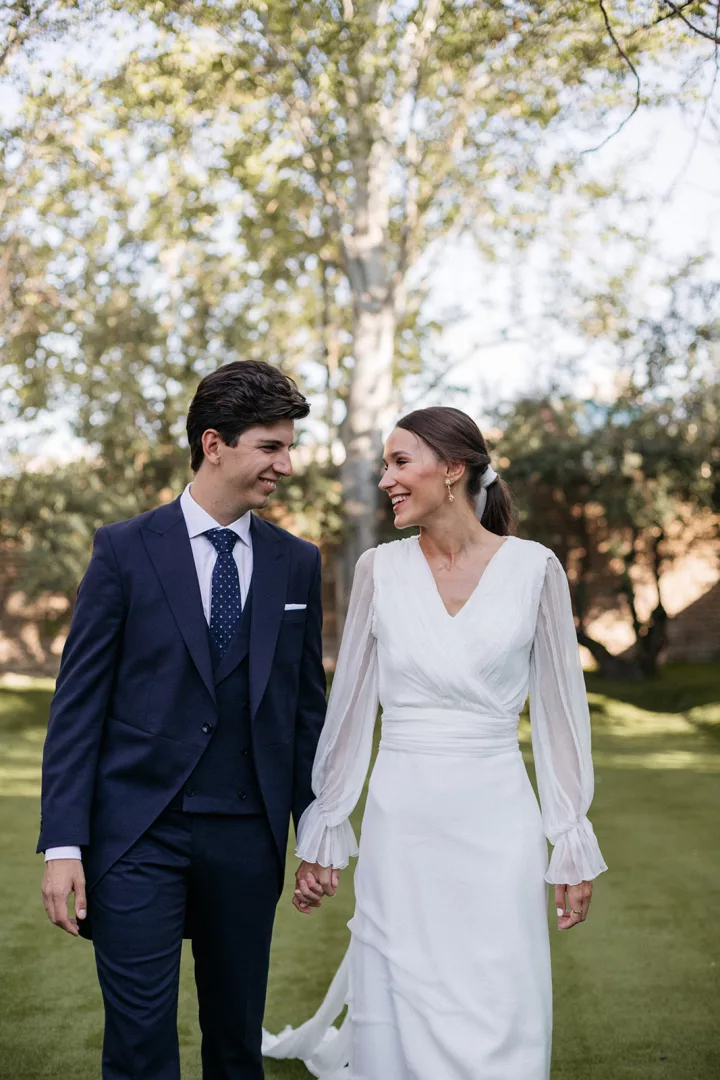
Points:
[[572, 903]]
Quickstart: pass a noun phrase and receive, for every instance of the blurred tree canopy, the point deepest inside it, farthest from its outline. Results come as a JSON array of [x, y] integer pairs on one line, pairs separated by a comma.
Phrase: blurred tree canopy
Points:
[[275, 180], [623, 484]]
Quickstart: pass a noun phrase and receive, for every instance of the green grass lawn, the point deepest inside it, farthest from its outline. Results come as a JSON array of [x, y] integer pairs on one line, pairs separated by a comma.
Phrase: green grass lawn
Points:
[[636, 988]]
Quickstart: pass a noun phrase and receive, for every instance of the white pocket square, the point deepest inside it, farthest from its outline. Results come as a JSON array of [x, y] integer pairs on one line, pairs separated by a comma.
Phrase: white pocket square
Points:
[[295, 607]]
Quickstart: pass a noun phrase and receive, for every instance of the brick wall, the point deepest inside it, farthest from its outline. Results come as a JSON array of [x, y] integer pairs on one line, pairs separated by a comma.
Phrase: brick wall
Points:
[[694, 633]]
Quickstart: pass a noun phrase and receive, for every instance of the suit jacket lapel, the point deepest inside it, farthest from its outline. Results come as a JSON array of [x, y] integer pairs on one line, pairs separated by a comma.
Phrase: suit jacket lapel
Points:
[[168, 546], [270, 575]]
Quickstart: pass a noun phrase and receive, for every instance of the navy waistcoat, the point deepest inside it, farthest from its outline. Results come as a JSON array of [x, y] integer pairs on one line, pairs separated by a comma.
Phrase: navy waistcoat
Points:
[[224, 780]]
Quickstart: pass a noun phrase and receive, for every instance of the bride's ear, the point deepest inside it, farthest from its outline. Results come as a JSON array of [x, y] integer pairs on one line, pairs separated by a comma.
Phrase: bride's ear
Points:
[[454, 471]]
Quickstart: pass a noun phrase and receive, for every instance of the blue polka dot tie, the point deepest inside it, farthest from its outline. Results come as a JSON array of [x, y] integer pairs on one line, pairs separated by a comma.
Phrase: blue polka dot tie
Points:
[[226, 602]]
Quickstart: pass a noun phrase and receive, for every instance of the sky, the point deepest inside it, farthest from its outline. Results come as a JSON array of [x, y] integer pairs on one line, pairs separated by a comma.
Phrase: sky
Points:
[[682, 185], [505, 344]]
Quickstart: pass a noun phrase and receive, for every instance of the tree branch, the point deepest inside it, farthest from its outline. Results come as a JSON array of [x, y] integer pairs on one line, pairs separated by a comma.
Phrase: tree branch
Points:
[[696, 29], [410, 194], [698, 129], [454, 141], [458, 361], [300, 117], [660, 19], [632, 67], [412, 52]]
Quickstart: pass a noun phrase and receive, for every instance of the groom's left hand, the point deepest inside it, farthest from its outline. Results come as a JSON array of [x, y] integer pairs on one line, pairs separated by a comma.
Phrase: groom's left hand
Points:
[[312, 883]]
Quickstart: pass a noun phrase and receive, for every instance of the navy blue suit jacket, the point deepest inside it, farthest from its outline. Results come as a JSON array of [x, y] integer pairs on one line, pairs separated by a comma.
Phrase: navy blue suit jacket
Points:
[[135, 697]]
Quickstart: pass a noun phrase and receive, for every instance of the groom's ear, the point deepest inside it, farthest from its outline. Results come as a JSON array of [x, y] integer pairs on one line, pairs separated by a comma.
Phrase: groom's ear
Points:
[[211, 443]]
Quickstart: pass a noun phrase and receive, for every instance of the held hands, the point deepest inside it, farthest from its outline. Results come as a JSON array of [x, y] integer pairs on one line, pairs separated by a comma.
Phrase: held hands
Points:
[[572, 903], [62, 877], [312, 883]]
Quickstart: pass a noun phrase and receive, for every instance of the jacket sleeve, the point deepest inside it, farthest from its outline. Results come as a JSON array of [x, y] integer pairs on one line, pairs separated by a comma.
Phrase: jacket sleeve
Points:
[[343, 755], [560, 723], [80, 702], [312, 699]]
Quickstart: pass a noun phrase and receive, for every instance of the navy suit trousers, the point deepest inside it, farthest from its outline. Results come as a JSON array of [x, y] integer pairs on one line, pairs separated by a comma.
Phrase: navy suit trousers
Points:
[[221, 874]]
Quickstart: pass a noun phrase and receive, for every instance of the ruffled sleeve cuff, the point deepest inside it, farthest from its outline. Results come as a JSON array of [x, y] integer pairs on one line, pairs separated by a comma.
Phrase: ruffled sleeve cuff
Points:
[[328, 845], [576, 855]]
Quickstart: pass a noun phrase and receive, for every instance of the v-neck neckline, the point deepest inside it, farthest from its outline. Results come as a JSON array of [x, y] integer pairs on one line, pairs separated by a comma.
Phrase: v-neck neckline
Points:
[[475, 591]]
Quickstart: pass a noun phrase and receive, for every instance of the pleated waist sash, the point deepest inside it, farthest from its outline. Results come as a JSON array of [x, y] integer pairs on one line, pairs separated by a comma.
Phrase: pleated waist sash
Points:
[[448, 731]]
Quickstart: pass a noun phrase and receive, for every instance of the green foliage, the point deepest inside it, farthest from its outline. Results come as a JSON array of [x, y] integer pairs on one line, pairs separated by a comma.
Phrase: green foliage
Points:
[[194, 206], [239, 180], [50, 516]]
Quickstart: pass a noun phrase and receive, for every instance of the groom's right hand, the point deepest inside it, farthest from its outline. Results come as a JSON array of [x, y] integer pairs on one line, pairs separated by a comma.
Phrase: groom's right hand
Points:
[[312, 883], [62, 877]]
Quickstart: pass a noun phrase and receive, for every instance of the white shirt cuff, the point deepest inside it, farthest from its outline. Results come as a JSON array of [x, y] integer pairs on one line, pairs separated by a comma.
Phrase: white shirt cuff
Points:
[[62, 853]]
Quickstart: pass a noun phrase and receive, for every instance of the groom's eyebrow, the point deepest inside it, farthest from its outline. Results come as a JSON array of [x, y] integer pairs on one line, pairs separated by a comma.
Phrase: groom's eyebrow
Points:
[[277, 444]]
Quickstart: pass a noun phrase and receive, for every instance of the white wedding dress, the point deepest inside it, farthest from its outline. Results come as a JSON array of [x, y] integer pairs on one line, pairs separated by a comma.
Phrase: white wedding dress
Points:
[[448, 972]]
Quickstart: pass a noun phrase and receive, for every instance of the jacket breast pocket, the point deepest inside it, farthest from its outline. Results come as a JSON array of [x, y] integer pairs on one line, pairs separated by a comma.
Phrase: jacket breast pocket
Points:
[[290, 638], [291, 618]]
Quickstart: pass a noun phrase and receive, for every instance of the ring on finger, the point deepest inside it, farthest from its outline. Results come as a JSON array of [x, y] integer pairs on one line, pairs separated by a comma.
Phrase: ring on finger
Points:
[[574, 912]]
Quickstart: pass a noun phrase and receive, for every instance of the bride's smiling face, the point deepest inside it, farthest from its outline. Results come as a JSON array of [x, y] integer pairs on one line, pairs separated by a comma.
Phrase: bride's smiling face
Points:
[[413, 478]]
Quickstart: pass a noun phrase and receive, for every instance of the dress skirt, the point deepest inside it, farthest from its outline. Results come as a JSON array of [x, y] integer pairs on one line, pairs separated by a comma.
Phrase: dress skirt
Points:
[[449, 965]]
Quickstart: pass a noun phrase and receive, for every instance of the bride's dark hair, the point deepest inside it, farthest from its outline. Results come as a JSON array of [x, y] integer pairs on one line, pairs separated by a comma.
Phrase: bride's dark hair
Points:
[[455, 437]]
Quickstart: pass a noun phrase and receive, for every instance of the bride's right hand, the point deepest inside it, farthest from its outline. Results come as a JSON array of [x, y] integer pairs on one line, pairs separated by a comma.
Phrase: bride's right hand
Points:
[[312, 882]]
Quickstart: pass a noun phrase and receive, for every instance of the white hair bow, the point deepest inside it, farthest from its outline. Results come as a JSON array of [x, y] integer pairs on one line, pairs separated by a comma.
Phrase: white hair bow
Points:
[[488, 477]]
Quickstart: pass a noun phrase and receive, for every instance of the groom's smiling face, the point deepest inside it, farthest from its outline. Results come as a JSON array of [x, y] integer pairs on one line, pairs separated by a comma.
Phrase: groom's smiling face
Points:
[[250, 471]]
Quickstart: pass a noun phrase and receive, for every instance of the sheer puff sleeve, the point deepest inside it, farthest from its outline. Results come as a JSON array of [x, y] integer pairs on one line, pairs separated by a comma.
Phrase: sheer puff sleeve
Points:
[[560, 723], [342, 760]]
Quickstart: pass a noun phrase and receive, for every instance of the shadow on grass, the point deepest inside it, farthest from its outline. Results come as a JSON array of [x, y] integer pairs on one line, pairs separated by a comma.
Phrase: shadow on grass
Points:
[[635, 988], [677, 688]]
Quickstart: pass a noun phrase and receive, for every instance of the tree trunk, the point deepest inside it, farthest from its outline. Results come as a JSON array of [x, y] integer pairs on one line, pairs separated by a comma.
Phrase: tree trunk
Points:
[[609, 666], [369, 408], [370, 393], [651, 639], [651, 642]]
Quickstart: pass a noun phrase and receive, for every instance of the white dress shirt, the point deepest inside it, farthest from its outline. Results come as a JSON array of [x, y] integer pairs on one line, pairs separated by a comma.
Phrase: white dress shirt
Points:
[[198, 521]]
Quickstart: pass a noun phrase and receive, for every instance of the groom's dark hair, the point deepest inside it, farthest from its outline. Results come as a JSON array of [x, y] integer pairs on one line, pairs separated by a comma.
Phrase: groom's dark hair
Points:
[[238, 396]]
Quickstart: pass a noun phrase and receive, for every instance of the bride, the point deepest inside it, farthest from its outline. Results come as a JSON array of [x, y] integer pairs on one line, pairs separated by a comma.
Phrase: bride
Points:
[[448, 971]]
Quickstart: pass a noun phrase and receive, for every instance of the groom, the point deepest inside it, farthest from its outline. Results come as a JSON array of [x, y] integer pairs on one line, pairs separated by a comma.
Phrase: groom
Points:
[[182, 733]]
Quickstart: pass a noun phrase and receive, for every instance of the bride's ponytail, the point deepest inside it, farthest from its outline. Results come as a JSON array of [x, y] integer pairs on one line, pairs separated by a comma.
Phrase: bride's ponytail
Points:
[[499, 515]]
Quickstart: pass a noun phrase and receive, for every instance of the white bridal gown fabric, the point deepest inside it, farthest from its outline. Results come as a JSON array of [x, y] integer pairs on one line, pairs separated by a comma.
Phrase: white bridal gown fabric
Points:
[[448, 972]]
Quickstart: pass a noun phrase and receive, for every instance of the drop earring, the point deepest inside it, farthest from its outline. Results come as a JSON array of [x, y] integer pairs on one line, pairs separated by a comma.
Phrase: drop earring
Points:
[[451, 497]]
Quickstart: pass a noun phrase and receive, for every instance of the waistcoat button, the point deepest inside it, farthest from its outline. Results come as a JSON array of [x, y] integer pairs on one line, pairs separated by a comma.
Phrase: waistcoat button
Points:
[[207, 727]]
